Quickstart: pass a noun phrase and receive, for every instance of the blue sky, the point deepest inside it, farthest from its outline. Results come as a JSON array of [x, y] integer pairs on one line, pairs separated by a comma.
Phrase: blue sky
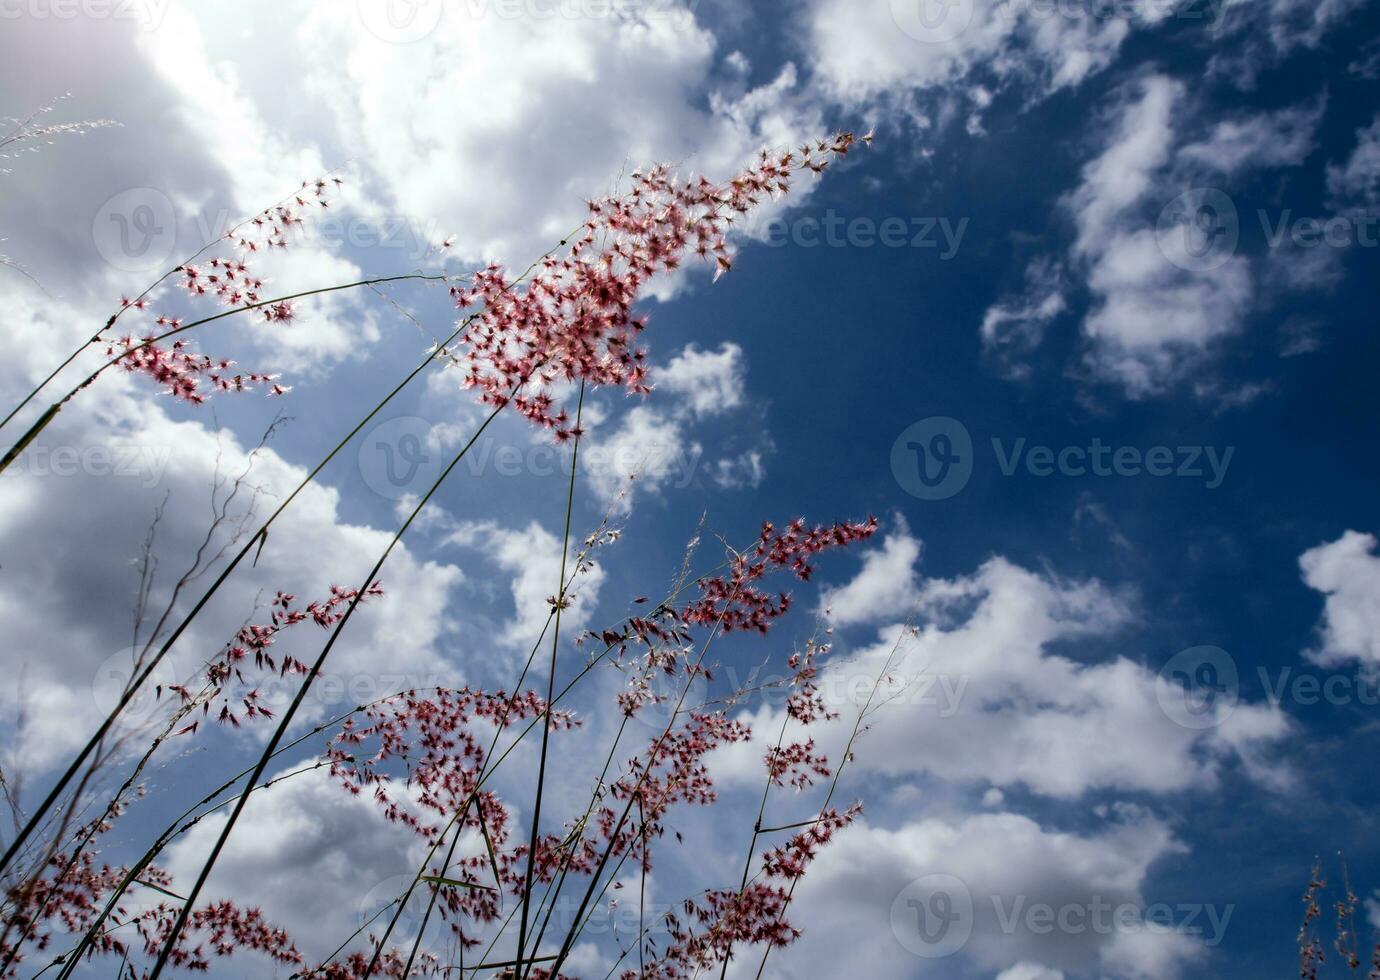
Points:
[[1147, 226]]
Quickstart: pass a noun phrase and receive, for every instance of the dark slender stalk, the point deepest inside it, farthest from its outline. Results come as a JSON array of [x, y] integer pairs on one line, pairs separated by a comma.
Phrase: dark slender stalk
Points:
[[550, 689], [96, 337], [838, 772], [351, 938], [790, 826], [752, 844], [56, 407], [147, 670], [55, 372], [260, 536], [642, 935], [509, 963], [473, 796], [291, 712], [634, 793], [578, 927], [430, 905], [559, 883], [173, 830], [642, 895], [489, 770]]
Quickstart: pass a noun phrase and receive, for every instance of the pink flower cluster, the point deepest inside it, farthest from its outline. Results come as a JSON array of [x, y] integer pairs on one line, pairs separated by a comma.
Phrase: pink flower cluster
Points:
[[391, 964], [573, 321], [673, 771], [797, 764], [791, 859], [72, 898], [429, 740], [755, 915], [181, 372], [805, 704], [230, 281], [225, 927], [255, 640], [734, 600], [428, 746]]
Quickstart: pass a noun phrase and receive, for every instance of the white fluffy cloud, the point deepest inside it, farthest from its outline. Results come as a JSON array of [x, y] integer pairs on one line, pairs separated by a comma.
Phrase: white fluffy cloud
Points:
[[198, 137], [1030, 971], [646, 452], [708, 382], [747, 469], [1015, 326], [539, 111], [864, 51], [1347, 571], [1163, 298], [1256, 34], [1357, 182], [300, 846], [988, 702], [485, 126], [654, 447], [1269, 139], [853, 906], [887, 586], [532, 556], [981, 687], [1152, 317], [115, 446]]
